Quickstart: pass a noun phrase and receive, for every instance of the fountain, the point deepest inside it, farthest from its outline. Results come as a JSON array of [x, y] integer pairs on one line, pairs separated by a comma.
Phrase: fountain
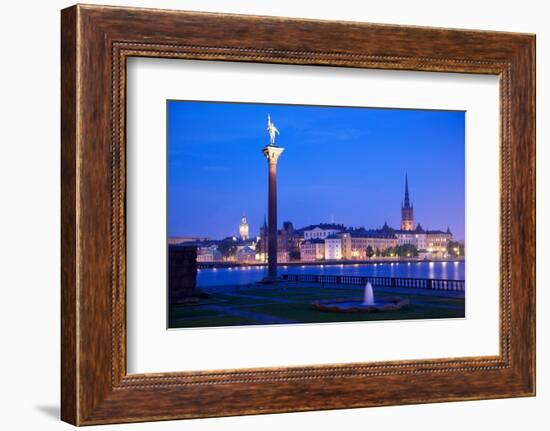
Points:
[[368, 297], [367, 304]]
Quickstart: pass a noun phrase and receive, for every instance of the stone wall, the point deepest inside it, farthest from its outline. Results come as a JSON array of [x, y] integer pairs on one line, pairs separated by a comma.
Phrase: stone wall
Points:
[[182, 273]]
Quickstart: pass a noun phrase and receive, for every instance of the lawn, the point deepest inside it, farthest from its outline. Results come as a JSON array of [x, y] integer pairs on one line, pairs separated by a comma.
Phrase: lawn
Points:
[[292, 303]]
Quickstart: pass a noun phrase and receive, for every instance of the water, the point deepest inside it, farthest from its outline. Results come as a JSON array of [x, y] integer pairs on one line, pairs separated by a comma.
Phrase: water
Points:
[[247, 275], [368, 298]]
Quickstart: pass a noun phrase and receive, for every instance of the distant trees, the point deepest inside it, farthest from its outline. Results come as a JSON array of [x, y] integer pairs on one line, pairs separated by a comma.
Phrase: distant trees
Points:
[[369, 252], [455, 248], [406, 250], [388, 252]]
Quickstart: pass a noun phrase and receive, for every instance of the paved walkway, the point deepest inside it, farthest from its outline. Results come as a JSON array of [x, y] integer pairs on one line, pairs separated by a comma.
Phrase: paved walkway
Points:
[[236, 294], [237, 312], [253, 315]]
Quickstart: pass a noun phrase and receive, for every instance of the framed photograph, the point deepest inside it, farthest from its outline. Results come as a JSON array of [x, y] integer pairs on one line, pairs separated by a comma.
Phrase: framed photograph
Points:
[[221, 271], [266, 215]]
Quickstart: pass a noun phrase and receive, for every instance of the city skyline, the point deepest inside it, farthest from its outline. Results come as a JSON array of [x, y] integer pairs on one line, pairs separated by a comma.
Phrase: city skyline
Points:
[[216, 172]]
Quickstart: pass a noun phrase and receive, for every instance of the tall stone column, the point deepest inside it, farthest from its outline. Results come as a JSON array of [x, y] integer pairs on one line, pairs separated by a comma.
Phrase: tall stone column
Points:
[[272, 154]]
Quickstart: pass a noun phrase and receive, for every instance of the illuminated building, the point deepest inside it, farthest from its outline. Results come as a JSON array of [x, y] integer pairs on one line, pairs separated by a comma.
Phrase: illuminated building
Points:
[[428, 240], [246, 255], [356, 241], [312, 250], [287, 242], [322, 231], [209, 254], [243, 228], [333, 247]]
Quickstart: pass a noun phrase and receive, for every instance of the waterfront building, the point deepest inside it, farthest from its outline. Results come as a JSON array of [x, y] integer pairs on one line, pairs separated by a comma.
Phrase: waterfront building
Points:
[[437, 240], [284, 237], [288, 242], [243, 228], [356, 241], [407, 210], [246, 244], [333, 247], [246, 255], [415, 237], [283, 257], [224, 250], [312, 250], [431, 241], [262, 245], [322, 231], [209, 254], [295, 244]]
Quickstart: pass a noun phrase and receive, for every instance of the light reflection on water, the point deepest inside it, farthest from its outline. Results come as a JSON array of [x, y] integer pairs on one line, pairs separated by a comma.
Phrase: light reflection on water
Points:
[[247, 275]]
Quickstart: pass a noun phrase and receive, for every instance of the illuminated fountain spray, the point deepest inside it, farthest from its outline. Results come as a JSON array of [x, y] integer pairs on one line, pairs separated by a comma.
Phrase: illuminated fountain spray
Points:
[[361, 305], [368, 297]]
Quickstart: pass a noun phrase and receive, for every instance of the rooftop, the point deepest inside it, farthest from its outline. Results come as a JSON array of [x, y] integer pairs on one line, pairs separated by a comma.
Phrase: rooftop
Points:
[[325, 226], [371, 233], [314, 241]]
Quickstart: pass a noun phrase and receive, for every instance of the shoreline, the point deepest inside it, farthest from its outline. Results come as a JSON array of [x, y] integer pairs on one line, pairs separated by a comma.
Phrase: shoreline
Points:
[[225, 265]]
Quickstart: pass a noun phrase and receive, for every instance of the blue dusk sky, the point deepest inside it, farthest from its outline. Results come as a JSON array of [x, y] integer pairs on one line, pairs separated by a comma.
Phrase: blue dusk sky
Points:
[[340, 164]]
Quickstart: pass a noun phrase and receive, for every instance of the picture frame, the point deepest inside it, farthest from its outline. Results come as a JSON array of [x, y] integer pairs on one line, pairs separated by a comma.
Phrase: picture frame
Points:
[[96, 42]]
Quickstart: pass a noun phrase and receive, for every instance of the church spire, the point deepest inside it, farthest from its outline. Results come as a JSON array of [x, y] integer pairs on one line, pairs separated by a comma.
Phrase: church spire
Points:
[[407, 217], [406, 203]]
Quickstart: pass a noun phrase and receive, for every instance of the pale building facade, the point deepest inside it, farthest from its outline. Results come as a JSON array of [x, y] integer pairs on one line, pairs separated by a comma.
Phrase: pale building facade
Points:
[[333, 248], [416, 237], [425, 240], [312, 250], [437, 241], [356, 242], [322, 231]]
